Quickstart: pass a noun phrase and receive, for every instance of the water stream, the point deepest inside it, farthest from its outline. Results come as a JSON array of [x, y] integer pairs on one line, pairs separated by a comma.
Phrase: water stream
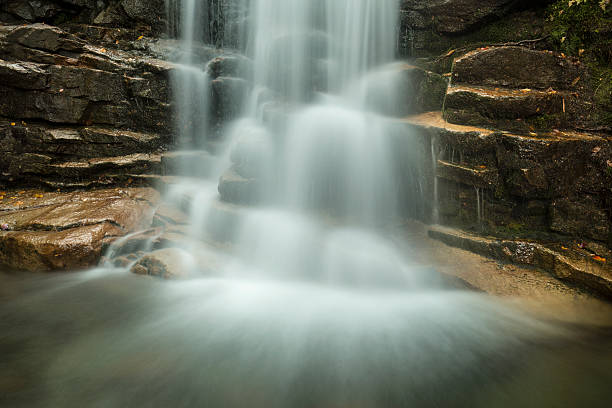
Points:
[[310, 302]]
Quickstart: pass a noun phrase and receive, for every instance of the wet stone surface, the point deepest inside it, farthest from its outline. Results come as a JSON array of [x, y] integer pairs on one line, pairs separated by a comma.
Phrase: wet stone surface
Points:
[[68, 231]]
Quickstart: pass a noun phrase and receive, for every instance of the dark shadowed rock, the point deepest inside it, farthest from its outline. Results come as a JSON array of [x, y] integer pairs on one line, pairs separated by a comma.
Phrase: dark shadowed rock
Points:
[[516, 67], [227, 98], [451, 16], [580, 216]]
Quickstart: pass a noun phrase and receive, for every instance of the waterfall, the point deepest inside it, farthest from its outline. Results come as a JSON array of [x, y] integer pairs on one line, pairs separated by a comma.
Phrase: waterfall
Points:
[[300, 294]]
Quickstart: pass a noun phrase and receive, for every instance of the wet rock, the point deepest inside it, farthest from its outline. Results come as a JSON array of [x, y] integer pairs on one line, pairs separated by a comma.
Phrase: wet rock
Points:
[[148, 11], [504, 108], [44, 37], [227, 98], [566, 267], [132, 243], [71, 249], [477, 177], [580, 216], [61, 231], [451, 16], [516, 67], [231, 65], [167, 263]]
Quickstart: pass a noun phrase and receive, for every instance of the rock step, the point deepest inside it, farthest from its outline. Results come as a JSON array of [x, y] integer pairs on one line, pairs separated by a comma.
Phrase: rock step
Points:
[[510, 109], [75, 141], [568, 267], [517, 67], [35, 169], [137, 163]]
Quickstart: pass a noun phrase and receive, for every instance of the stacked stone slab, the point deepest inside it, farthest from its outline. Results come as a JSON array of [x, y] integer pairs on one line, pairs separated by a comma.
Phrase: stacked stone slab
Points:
[[519, 89], [74, 114]]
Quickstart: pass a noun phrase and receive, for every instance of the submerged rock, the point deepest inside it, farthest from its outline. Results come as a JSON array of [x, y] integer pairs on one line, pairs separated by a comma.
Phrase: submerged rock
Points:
[[167, 263]]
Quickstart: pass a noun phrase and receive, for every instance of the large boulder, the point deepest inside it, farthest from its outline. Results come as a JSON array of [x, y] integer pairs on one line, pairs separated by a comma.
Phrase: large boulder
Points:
[[66, 231]]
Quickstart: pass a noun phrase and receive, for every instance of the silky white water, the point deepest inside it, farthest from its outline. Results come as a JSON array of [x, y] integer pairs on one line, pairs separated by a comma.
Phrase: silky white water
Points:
[[298, 295]]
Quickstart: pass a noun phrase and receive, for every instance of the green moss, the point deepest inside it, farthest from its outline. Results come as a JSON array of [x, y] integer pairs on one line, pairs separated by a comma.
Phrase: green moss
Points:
[[516, 228], [582, 28], [545, 122]]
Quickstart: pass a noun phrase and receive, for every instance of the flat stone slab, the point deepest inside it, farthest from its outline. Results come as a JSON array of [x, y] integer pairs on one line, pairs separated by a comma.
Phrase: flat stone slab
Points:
[[593, 273], [44, 231]]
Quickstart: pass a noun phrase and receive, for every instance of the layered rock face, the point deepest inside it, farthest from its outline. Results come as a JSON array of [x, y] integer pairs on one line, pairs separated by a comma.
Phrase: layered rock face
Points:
[[81, 106], [74, 113]]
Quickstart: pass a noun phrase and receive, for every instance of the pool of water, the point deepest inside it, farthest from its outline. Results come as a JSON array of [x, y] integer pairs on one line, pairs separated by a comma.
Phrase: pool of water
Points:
[[105, 338]]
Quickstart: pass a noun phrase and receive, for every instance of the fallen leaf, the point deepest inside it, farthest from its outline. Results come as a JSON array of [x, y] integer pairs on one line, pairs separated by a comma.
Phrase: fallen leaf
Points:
[[19, 203], [581, 51], [482, 167], [596, 149], [38, 196], [575, 81], [451, 52], [598, 258], [117, 42], [525, 90], [140, 38], [447, 74], [12, 123], [103, 50], [564, 248]]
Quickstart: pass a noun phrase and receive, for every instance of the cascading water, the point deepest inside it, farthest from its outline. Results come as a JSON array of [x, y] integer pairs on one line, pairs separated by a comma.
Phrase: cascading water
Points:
[[308, 304]]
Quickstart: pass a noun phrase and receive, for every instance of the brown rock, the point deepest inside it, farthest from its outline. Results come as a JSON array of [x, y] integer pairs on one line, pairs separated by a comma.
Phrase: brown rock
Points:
[[60, 231], [516, 67]]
